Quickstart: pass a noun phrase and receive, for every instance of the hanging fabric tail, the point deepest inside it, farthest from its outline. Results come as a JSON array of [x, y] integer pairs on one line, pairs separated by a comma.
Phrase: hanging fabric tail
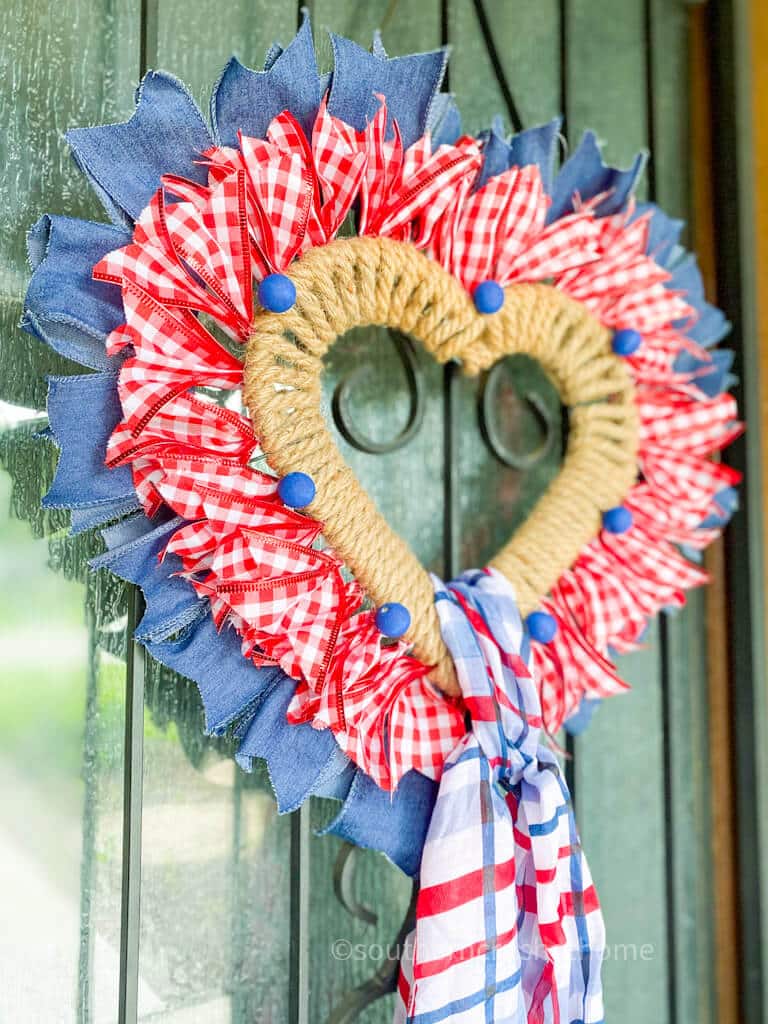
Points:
[[508, 926]]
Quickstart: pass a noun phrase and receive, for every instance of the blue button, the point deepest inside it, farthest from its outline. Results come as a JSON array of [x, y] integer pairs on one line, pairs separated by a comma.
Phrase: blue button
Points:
[[393, 619], [617, 520], [488, 297], [542, 626], [277, 293], [626, 342], [296, 490]]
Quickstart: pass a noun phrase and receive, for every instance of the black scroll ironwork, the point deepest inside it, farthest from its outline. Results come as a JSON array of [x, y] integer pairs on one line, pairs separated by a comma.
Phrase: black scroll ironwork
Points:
[[384, 981], [341, 402], [488, 406]]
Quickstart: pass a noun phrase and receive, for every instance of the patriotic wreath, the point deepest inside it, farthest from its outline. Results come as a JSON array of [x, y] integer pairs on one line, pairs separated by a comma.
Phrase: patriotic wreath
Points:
[[292, 163], [234, 260]]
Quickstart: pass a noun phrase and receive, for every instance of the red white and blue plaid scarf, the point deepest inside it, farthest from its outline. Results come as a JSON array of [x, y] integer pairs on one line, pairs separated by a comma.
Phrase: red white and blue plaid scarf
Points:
[[508, 925]]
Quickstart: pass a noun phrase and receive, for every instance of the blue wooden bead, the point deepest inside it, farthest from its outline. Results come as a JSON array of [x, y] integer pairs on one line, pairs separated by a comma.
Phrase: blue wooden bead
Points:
[[277, 293], [393, 619], [542, 626], [296, 490], [626, 342], [488, 297], [617, 520]]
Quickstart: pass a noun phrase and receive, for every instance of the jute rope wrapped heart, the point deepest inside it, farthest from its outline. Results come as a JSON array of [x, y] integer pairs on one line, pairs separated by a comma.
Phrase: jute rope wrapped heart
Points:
[[365, 281]]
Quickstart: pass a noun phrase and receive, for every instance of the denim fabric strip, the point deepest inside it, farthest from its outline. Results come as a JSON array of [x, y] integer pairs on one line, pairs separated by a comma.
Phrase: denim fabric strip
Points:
[[64, 307], [377, 46], [394, 823], [171, 602], [82, 519], [336, 785], [585, 173], [83, 411], [229, 685], [711, 325], [165, 135], [273, 53], [444, 121], [713, 376], [580, 719], [410, 85], [129, 530], [727, 502], [247, 100], [298, 757], [664, 233], [536, 145]]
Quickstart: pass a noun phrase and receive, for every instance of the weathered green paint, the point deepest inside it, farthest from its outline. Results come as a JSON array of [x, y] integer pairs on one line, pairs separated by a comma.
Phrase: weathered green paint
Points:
[[685, 729]]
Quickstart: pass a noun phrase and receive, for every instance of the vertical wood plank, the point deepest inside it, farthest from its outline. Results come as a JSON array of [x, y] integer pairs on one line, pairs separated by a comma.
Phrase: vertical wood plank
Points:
[[407, 486], [380, 400], [217, 859], [686, 717], [494, 498], [619, 766], [527, 35]]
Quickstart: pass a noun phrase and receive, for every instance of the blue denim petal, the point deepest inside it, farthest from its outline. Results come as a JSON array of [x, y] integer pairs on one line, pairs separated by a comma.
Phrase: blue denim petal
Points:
[[128, 530], [410, 85], [727, 502], [711, 325], [299, 758], [83, 411], [663, 234], [394, 823], [64, 307], [165, 135], [230, 686], [495, 156], [248, 100], [536, 145], [82, 519], [336, 787], [444, 121], [710, 328], [585, 173], [171, 602], [377, 47], [717, 377], [273, 53], [580, 719]]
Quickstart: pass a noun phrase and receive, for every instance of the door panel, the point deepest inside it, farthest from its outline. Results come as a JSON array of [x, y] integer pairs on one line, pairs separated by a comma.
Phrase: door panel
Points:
[[246, 916], [619, 762]]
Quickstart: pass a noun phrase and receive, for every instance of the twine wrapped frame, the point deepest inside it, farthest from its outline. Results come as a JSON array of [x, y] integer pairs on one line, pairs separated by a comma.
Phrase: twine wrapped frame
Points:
[[358, 282]]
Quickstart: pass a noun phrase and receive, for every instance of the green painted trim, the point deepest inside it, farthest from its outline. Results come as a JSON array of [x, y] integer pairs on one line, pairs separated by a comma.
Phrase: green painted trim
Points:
[[133, 778]]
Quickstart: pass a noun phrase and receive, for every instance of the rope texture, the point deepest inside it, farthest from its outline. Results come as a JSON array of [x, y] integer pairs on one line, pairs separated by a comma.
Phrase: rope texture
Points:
[[357, 282]]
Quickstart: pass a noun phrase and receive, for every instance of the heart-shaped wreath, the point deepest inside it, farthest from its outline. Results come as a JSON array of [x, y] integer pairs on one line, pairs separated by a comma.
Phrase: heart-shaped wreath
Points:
[[350, 201], [451, 234]]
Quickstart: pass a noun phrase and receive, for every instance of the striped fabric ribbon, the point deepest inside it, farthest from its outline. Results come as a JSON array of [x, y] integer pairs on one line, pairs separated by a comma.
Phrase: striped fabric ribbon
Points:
[[508, 925]]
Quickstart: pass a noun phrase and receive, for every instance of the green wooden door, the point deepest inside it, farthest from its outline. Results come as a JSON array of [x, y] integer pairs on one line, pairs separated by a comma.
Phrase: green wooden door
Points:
[[232, 913]]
